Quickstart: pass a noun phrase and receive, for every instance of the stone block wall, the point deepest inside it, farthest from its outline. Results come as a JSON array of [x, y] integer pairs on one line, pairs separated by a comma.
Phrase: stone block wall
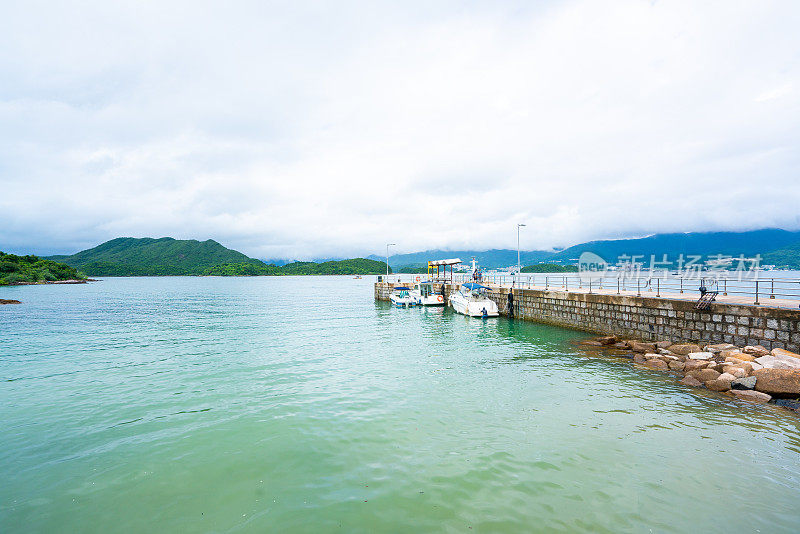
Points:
[[650, 318]]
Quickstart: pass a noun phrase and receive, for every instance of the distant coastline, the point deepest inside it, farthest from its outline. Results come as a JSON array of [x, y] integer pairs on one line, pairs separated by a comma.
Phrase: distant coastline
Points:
[[128, 256], [32, 270]]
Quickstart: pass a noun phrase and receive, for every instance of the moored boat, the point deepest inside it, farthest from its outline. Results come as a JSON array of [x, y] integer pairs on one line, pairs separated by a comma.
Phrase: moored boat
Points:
[[471, 300], [426, 296], [402, 298]]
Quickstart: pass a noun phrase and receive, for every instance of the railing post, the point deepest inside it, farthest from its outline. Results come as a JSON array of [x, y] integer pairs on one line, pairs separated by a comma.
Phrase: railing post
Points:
[[658, 287], [638, 288], [566, 284], [617, 284], [725, 287], [772, 288], [590, 286], [756, 302], [546, 282], [681, 285]]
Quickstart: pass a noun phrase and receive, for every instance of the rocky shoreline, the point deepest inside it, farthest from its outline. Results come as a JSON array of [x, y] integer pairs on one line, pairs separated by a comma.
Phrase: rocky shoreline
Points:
[[7, 301], [47, 282], [750, 373]]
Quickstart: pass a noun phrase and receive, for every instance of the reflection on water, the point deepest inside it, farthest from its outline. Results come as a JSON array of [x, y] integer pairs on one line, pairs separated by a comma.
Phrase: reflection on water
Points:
[[290, 404]]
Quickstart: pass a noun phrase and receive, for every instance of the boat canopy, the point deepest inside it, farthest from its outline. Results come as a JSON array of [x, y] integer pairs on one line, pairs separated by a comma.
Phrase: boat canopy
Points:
[[403, 288], [473, 287]]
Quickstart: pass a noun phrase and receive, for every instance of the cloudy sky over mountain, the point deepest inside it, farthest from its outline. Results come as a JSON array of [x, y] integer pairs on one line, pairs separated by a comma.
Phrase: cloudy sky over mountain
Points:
[[313, 129]]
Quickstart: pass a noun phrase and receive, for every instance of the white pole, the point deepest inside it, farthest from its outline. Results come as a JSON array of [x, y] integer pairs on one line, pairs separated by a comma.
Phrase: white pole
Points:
[[519, 266], [387, 259]]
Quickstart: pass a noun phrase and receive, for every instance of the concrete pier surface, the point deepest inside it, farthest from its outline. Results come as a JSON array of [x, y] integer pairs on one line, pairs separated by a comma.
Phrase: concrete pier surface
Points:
[[735, 319], [691, 296]]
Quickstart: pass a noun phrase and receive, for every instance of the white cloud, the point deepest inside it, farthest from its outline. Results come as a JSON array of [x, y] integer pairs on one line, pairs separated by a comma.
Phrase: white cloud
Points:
[[308, 130]]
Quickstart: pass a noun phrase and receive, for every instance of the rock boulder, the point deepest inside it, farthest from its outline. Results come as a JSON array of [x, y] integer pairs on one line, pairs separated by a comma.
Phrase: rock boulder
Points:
[[744, 383], [783, 353], [773, 362], [736, 372], [756, 350], [704, 375], [691, 381], [718, 385], [676, 365], [736, 353], [607, 340], [778, 381], [691, 365], [657, 364], [750, 395], [719, 347], [638, 346], [684, 348]]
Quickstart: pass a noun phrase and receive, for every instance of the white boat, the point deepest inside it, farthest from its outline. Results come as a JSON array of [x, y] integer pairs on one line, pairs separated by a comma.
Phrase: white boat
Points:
[[402, 298], [426, 296], [471, 300]]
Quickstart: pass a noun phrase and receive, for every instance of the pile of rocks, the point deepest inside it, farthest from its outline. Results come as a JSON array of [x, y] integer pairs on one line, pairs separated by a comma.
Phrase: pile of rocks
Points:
[[751, 373]]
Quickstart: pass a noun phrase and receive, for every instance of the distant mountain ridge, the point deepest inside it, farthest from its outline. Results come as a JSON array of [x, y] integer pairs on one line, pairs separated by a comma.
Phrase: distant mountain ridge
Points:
[[694, 243], [776, 246], [349, 266], [165, 256], [127, 256]]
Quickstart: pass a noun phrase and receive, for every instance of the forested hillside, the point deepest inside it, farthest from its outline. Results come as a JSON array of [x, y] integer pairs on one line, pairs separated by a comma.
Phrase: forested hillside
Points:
[[33, 269]]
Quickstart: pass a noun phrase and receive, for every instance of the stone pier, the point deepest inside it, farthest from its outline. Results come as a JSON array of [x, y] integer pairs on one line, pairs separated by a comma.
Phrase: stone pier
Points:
[[647, 318]]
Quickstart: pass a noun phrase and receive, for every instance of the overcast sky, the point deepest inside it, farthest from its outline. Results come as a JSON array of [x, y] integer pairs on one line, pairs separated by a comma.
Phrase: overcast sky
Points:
[[314, 129]]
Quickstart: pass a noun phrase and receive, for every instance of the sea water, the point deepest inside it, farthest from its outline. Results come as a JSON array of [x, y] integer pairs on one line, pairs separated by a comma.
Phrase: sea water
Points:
[[299, 404]]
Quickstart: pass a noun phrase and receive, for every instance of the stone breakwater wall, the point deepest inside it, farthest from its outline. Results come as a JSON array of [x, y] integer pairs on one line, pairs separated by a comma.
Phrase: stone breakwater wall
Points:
[[648, 318]]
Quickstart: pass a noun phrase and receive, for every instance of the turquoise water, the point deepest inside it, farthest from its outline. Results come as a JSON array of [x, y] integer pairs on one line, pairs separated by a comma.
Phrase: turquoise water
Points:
[[301, 405]]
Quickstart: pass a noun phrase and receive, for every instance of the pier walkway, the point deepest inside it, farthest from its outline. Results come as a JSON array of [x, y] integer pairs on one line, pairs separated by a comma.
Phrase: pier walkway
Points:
[[652, 312], [765, 292]]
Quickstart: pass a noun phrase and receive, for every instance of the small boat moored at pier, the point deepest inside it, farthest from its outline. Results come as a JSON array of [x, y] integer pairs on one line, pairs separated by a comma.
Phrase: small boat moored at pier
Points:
[[402, 298], [426, 296], [471, 300]]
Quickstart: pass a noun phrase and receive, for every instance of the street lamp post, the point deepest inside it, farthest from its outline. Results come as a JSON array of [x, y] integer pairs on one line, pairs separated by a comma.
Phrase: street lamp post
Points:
[[387, 257], [519, 267]]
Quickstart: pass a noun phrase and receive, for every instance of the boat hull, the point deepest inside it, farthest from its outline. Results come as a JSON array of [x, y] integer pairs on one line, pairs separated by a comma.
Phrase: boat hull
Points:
[[432, 300], [402, 302], [474, 308]]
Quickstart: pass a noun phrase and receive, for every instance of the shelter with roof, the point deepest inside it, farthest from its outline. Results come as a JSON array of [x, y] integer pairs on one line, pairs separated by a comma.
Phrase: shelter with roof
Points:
[[441, 269]]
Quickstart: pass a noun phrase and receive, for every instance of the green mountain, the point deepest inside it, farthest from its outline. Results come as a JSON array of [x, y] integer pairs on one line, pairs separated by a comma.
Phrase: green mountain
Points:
[[786, 257], [33, 269], [550, 268], [128, 256], [352, 266], [673, 245]]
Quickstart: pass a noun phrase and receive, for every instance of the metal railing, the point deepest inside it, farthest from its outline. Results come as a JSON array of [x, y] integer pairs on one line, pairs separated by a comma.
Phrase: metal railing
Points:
[[756, 290]]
